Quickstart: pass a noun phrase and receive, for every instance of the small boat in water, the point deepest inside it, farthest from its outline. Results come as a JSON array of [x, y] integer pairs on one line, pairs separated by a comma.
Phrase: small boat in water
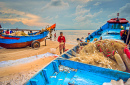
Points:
[[8, 41], [66, 72]]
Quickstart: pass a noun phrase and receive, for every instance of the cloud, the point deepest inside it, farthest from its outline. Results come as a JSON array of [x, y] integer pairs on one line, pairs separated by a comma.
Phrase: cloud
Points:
[[2, 4], [56, 16], [59, 4], [12, 16], [83, 1], [124, 12], [98, 3], [80, 10], [48, 18], [87, 17]]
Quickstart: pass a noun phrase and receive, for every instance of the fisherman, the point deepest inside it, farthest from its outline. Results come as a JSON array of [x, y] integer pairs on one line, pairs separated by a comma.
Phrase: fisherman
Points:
[[7, 32], [128, 38], [55, 36], [11, 31], [3, 31], [50, 36], [61, 40], [30, 33], [122, 27], [124, 36]]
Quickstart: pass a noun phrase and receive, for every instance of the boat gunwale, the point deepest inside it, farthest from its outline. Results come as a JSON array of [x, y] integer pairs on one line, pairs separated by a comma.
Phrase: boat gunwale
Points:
[[23, 36]]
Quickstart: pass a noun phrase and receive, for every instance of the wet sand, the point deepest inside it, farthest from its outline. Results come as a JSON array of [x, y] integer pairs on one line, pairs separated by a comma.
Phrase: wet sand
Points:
[[19, 74]]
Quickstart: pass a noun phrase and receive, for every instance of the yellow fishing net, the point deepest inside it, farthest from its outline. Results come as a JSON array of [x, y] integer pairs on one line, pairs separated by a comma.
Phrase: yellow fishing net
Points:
[[101, 53], [19, 33]]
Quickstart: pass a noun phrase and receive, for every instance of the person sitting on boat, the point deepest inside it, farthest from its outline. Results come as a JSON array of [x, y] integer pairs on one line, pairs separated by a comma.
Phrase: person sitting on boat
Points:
[[61, 40], [55, 36], [124, 35], [11, 31], [7, 32], [3, 31], [30, 33], [122, 28]]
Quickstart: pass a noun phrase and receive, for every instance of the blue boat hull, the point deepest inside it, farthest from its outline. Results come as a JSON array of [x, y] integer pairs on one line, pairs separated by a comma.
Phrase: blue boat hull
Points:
[[77, 74], [8, 41]]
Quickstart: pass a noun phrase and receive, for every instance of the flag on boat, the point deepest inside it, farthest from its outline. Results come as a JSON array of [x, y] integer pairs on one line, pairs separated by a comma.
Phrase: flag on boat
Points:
[[53, 26]]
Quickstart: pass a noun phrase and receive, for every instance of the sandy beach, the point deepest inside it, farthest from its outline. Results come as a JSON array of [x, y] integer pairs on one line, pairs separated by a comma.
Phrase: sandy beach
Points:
[[19, 74], [14, 54]]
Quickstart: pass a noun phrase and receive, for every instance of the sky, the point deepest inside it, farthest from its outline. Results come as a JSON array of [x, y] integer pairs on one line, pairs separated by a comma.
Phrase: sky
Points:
[[67, 14]]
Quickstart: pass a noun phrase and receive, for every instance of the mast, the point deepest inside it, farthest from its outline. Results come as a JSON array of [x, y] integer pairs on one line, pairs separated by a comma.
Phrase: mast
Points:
[[117, 17], [0, 26]]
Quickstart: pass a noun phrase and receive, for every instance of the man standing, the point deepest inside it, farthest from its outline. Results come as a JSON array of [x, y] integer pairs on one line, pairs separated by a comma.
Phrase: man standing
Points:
[[55, 36], [61, 40]]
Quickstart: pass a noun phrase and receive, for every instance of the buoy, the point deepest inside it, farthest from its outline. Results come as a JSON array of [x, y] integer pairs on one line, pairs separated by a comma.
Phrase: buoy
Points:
[[100, 50], [126, 60], [120, 62], [88, 41], [108, 52], [113, 52], [108, 55], [95, 39], [122, 32], [127, 52]]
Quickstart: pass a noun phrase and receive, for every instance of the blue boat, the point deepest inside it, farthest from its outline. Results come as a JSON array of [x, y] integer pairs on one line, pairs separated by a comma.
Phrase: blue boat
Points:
[[66, 72], [8, 41], [111, 30]]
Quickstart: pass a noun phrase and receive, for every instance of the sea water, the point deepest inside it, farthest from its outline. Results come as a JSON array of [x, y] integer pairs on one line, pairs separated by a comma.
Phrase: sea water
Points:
[[72, 35]]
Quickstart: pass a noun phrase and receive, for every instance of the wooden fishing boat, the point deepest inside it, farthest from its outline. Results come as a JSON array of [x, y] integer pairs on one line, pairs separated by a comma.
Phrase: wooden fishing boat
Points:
[[66, 72], [8, 41]]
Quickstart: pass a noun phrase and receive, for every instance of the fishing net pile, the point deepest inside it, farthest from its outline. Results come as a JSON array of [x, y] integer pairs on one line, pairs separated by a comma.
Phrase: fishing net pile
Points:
[[101, 53], [19, 33]]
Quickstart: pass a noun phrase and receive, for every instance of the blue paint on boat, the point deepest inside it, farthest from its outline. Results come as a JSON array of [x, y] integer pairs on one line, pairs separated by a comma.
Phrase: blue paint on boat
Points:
[[23, 38], [84, 75], [108, 32]]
